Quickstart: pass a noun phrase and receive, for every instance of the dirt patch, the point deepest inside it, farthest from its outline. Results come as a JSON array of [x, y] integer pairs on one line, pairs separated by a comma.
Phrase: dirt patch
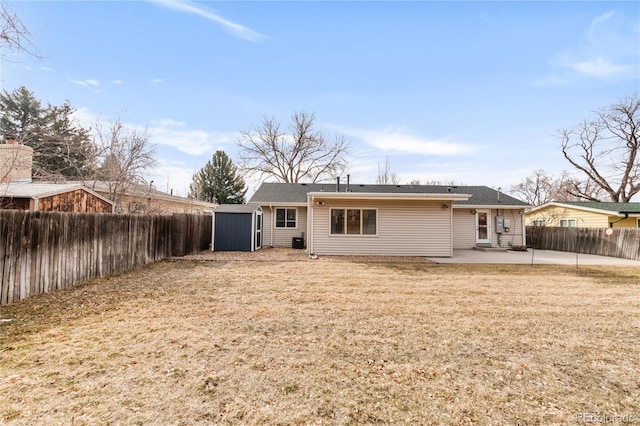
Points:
[[280, 254], [337, 342]]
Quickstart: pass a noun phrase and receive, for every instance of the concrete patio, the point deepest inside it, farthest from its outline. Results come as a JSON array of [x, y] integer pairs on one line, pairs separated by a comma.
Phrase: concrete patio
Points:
[[537, 257]]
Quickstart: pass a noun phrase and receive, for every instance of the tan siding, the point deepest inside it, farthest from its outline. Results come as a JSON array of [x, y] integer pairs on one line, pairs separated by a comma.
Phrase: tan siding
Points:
[[464, 229], [404, 229], [584, 219], [630, 222], [282, 236], [514, 236]]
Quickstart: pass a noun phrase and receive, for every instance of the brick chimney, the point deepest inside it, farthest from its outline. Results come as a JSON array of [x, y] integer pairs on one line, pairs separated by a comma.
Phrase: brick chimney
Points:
[[15, 162]]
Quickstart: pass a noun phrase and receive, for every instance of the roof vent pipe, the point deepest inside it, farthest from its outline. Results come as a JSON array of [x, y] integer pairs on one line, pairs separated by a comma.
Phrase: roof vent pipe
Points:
[[348, 189], [338, 184]]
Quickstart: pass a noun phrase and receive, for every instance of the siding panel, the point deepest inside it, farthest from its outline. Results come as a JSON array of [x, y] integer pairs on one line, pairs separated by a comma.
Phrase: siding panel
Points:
[[282, 236], [420, 228]]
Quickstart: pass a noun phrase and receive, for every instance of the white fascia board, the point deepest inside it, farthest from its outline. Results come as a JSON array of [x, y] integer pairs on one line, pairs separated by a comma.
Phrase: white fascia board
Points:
[[387, 196]]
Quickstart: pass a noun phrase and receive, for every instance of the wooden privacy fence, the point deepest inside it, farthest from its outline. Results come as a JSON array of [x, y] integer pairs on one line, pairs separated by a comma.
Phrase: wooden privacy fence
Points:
[[45, 251], [614, 242]]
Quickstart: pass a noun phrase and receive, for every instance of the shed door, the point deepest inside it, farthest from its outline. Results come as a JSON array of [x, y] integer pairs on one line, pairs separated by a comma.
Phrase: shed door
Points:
[[258, 230], [483, 228]]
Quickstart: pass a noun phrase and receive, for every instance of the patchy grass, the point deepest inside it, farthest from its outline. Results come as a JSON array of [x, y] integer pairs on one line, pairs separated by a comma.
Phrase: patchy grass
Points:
[[326, 342]]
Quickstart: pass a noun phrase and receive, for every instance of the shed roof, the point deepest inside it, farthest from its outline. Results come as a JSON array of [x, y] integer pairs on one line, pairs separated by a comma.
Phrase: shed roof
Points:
[[275, 192], [237, 208]]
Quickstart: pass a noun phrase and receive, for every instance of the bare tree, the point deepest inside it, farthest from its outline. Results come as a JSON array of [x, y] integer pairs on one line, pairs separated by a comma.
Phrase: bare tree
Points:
[[605, 151], [385, 175], [13, 33], [125, 156], [303, 155], [540, 187]]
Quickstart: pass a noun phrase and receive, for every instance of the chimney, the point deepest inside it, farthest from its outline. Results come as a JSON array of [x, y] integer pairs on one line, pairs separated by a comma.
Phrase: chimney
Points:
[[15, 162], [348, 189], [338, 184]]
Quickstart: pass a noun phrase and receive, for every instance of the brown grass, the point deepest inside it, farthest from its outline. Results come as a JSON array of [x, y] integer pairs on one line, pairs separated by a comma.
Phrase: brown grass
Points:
[[338, 342]]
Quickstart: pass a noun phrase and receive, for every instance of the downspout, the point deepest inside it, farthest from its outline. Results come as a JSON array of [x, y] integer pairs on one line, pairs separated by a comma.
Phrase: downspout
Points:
[[626, 216]]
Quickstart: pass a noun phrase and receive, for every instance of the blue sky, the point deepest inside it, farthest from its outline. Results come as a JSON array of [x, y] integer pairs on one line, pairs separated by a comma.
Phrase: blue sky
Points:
[[468, 91]]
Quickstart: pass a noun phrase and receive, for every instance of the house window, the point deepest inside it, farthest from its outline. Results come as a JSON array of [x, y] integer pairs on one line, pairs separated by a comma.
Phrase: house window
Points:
[[286, 218], [538, 222], [568, 223], [354, 221], [638, 220]]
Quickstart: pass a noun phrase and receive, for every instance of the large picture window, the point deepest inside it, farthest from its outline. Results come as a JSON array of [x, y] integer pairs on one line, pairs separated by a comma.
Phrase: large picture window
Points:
[[286, 218], [354, 221]]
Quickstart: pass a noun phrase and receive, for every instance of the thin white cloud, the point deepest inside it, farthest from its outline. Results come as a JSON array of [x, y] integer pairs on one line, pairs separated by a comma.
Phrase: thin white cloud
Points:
[[600, 67], [159, 80], [232, 28], [47, 69], [593, 29], [86, 83], [176, 134], [609, 51], [553, 79], [393, 139], [117, 82]]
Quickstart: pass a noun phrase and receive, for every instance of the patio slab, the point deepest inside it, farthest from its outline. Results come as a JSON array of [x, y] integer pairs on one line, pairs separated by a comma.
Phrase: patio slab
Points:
[[537, 257]]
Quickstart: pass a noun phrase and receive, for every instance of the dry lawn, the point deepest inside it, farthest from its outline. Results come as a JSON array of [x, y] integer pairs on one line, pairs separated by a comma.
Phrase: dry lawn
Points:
[[317, 342]]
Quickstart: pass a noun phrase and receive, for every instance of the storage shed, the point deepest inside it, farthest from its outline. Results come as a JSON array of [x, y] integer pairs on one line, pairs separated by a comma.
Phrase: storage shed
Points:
[[237, 227]]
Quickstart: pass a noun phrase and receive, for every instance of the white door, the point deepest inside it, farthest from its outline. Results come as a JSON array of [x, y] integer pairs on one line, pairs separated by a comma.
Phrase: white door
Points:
[[258, 230], [483, 227]]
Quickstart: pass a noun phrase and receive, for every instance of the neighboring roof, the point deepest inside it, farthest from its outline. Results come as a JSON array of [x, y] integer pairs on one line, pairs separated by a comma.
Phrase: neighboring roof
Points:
[[41, 190], [237, 208], [608, 208], [137, 190], [296, 193]]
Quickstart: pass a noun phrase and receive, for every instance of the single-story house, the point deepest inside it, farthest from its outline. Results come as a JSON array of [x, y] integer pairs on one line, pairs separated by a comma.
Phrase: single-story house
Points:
[[52, 197], [402, 220], [585, 215]]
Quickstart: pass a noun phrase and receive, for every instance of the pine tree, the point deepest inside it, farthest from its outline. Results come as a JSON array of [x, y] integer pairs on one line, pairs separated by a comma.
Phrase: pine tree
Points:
[[61, 148], [218, 182]]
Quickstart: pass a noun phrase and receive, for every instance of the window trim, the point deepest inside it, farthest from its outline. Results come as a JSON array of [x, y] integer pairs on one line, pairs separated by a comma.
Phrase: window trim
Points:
[[275, 218], [345, 233], [568, 219]]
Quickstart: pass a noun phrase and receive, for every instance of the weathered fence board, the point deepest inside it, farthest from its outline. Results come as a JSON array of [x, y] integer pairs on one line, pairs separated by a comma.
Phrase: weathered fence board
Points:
[[45, 251], [614, 242]]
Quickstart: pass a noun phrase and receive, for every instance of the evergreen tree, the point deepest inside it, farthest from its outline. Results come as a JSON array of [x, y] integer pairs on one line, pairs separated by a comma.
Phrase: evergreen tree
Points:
[[61, 148], [218, 182]]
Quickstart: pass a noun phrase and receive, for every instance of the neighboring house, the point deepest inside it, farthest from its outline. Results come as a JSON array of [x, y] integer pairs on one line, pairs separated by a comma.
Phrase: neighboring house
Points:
[[401, 220], [138, 198], [585, 215], [52, 197]]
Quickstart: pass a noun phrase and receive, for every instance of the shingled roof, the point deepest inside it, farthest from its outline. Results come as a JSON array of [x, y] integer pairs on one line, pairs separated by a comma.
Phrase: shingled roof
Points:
[[620, 208], [273, 192]]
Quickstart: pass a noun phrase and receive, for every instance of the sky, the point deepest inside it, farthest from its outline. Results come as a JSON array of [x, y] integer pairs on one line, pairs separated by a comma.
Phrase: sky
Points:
[[470, 92]]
